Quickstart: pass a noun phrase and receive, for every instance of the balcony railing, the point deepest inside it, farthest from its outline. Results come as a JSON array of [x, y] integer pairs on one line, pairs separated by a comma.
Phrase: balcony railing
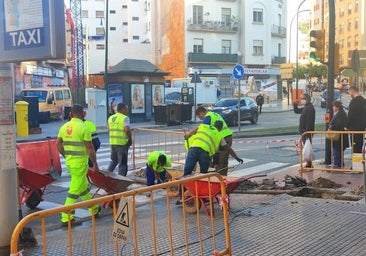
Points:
[[278, 31], [278, 60], [212, 58], [213, 26]]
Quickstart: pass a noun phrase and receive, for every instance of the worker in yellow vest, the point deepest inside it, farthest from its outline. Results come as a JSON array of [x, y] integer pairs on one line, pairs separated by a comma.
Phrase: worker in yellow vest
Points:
[[157, 162], [220, 159], [74, 143], [119, 139]]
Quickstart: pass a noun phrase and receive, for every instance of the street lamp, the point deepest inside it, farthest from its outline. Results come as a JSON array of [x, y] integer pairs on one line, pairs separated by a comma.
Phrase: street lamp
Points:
[[297, 50], [106, 57], [195, 79]]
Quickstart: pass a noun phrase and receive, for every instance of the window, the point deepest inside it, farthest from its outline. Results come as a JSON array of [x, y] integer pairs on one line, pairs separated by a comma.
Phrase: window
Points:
[[66, 94], [135, 18], [112, 28], [349, 8], [356, 6], [226, 15], [349, 25], [341, 28], [100, 46], [85, 14], [349, 42], [124, 23], [58, 95], [197, 14], [226, 46], [356, 23], [135, 37], [99, 31], [356, 41], [197, 45], [124, 6], [99, 14], [257, 47], [258, 15], [125, 40], [341, 11], [112, 11]]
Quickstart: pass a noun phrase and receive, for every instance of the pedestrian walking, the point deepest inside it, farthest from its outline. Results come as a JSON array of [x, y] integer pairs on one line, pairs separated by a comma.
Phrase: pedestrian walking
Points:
[[157, 162], [119, 139], [307, 119], [356, 118], [95, 139], [203, 146], [74, 143], [220, 160], [260, 101], [338, 123]]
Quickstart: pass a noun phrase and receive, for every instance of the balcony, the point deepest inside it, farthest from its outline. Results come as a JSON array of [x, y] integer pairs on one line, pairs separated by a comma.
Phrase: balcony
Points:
[[278, 60], [212, 26], [278, 31], [212, 58]]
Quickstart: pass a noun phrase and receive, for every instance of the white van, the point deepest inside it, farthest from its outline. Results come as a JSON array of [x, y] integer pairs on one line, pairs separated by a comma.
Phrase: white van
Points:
[[52, 100]]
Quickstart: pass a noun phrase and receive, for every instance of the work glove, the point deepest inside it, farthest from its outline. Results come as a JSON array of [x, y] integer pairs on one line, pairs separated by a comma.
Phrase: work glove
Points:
[[241, 161]]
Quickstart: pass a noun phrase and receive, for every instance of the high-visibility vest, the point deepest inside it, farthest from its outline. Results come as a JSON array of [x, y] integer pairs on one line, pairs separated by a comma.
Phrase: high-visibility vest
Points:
[[73, 134], [226, 131], [117, 134], [207, 138], [152, 160], [92, 128]]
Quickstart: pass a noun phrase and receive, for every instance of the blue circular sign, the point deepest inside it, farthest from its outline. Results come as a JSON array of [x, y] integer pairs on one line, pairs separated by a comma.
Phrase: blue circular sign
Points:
[[238, 71]]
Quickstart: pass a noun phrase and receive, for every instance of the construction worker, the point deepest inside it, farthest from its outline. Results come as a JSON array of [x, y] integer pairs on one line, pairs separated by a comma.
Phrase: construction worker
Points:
[[119, 138], [220, 159], [157, 161], [204, 145], [74, 143]]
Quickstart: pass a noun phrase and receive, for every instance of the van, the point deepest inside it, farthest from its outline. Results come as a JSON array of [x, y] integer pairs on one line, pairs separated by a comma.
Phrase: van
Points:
[[52, 100]]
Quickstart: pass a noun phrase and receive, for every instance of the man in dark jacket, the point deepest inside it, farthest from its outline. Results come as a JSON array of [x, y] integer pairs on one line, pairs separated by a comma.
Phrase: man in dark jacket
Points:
[[307, 118], [356, 118], [260, 101]]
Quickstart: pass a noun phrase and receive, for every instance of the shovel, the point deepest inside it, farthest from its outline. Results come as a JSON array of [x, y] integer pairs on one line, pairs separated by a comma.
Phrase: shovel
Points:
[[52, 171]]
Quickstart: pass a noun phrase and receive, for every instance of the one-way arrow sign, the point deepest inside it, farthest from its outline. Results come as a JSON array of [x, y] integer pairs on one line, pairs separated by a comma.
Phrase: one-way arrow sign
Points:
[[238, 71]]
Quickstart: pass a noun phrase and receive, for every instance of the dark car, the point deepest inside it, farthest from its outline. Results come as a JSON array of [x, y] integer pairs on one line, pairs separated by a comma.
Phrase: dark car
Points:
[[228, 109], [337, 96]]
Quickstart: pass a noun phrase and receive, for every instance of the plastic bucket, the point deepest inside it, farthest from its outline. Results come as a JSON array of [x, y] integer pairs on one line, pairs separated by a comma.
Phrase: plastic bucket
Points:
[[357, 161]]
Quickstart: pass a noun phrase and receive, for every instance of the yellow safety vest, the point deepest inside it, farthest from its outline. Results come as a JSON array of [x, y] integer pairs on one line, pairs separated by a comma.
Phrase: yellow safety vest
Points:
[[92, 128], [226, 131], [152, 160], [117, 135], [73, 135], [207, 138]]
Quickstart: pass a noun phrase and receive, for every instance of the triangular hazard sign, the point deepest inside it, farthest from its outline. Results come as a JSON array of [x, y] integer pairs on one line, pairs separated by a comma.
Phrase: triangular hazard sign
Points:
[[123, 217]]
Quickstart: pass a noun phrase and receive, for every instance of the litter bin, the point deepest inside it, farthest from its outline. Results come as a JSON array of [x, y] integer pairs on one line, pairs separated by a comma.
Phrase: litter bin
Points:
[[21, 109], [186, 113], [33, 111], [160, 114], [67, 111], [173, 114]]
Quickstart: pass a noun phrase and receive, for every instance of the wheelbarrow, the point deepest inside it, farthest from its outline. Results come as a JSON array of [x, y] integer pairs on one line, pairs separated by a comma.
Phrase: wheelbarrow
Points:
[[110, 182], [208, 191], [38, 165]]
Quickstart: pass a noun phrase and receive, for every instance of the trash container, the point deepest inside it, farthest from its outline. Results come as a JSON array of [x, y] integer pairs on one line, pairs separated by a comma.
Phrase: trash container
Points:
[[33, 111], [186, 112], [173, 113], [160, 113], [67, 111], [21, 110]]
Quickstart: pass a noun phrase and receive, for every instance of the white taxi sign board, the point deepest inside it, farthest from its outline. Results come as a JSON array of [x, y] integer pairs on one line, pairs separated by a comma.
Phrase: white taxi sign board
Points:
[[123, 221]]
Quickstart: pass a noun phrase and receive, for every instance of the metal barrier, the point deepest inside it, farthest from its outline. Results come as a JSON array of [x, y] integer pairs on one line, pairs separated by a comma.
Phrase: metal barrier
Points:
[[147, 140], [158, 228], [350, 162]]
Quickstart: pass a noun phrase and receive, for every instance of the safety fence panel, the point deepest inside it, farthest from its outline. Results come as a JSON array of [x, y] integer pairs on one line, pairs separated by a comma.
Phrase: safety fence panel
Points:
[[323, 160], [159, 227], [148, 140]]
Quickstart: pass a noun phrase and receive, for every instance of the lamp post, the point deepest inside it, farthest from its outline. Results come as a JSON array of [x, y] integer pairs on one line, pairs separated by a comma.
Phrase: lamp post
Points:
[[195, 79], [106, 57], [297, 50]]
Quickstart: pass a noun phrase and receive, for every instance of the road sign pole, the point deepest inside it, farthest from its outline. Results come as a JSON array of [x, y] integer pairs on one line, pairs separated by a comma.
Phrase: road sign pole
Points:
[[239, 94], [238, 73]]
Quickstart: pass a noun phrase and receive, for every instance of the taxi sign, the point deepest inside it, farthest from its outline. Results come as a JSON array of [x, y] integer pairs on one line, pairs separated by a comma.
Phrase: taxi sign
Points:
[[123, 221]]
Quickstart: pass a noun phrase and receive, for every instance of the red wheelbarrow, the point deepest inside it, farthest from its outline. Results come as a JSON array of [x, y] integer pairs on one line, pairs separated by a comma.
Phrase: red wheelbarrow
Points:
[[38, 165], [209, 191], [110, 182]]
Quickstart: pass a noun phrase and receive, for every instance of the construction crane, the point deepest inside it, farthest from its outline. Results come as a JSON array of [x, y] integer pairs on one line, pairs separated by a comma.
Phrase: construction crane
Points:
[[74, 18]]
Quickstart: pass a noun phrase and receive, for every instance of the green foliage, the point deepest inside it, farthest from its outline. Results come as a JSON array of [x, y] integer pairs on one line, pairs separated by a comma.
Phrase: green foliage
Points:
[[314, 71]]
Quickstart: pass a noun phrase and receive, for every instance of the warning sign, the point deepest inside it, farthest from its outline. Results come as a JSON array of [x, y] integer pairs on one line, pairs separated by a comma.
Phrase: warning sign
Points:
[[122, 223]]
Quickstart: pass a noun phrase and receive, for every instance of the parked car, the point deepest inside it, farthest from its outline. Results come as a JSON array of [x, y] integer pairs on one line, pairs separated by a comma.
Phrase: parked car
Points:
[[337, 96], [228, 109]]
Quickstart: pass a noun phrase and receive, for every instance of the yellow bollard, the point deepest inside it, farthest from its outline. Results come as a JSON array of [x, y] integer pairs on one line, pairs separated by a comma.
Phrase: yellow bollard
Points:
[[21, 109]]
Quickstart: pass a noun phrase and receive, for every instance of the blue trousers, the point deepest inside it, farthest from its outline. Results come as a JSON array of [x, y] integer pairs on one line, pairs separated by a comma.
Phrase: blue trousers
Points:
[[194, 155], [150, 176]]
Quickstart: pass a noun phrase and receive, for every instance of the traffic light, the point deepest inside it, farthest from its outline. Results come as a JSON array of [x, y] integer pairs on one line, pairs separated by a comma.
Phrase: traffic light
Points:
[[336, 59], [317, 42]]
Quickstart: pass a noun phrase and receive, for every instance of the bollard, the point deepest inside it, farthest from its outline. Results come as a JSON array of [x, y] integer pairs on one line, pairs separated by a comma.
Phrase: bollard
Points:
[[21, 110]]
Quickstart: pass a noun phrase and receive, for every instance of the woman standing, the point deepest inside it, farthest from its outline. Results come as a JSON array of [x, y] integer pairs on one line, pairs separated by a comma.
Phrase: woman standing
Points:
[[338, 123]]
